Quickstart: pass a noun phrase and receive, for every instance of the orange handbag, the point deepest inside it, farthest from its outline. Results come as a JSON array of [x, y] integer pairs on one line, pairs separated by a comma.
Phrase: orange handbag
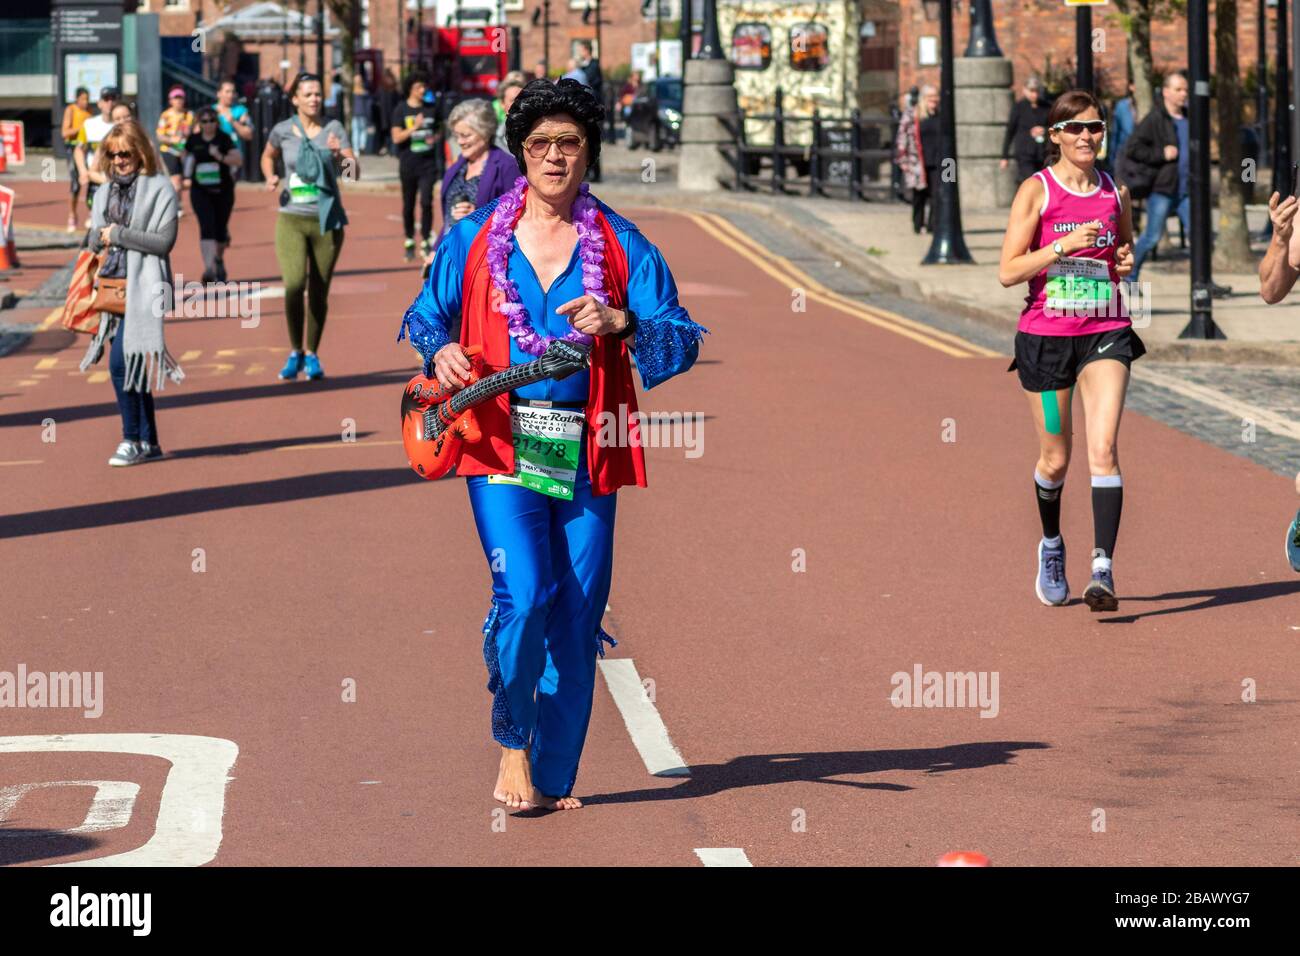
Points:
[[79, 311]]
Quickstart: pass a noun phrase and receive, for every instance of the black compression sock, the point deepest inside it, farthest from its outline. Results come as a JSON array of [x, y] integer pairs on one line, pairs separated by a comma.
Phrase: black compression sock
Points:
[[1107, 503], [1048, 494]]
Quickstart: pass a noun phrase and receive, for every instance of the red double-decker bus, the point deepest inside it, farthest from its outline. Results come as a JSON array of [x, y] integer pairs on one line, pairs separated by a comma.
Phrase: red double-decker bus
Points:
[[466, 60]]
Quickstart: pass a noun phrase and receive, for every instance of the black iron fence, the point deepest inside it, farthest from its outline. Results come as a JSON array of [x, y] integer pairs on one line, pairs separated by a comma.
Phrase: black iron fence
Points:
[[818, 155]]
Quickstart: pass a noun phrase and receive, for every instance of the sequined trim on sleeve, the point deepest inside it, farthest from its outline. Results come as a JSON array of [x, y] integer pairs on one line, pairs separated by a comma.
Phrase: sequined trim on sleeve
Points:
[[426, 336], [666, 346]]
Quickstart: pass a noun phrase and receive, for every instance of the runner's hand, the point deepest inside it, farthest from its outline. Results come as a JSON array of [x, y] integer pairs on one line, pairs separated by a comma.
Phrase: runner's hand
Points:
[[272, 183], [588, 314], [1124, 260], [1282, 213], [333, 143], [451, 367], [1083, 237]]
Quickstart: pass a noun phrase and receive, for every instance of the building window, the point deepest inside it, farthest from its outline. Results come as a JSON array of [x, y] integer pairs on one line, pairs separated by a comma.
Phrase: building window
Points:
[[513, 6], [809, 47], [751, 46]]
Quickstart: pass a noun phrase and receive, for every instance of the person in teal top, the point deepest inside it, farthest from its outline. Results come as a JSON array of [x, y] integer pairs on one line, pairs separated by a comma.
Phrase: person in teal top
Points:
[[232, 117]]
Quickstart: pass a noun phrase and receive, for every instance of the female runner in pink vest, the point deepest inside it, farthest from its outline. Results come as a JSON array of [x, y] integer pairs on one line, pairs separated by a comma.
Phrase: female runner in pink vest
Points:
[[1070, 237]]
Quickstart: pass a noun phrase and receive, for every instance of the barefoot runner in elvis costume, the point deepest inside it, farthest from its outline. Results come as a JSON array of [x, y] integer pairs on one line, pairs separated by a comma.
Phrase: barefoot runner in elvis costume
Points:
[[547, 260]]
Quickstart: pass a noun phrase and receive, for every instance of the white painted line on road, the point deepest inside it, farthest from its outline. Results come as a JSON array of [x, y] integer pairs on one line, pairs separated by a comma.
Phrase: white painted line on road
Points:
[[644, 724], [193, 800], [723, 856], [1223, 402], [110, 809]]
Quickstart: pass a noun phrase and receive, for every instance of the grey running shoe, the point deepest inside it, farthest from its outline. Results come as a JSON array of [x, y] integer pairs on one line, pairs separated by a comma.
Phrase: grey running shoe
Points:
[[128, 453], [1100, 594], [1050, 585]]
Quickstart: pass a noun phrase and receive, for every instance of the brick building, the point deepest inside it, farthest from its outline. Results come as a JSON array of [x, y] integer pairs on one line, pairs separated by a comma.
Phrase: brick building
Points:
[[1032, 31]]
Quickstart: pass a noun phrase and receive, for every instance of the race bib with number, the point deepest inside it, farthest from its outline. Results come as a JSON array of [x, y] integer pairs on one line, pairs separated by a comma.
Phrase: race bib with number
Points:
[[1078, 285], [208, 174], [547, 444], [301, 192]]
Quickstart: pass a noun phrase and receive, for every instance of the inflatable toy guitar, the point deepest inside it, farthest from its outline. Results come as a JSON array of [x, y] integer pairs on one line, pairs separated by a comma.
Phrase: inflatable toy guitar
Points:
[[436, 422]]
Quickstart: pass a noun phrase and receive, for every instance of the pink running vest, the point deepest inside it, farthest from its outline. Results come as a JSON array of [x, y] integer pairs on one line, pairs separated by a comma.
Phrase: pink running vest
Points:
[[1077, 295]]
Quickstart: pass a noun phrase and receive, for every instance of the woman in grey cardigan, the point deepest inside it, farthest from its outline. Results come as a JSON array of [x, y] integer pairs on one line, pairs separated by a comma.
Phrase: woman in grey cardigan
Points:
[[134, 225]]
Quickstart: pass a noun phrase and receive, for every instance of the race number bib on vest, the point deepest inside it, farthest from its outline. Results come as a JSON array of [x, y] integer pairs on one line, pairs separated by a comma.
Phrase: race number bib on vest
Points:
[[207, 174], [302, 193], [547, 444], [1078, 285]]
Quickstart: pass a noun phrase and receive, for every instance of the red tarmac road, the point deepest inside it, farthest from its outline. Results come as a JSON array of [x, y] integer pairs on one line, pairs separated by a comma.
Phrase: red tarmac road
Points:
[[329, 561]]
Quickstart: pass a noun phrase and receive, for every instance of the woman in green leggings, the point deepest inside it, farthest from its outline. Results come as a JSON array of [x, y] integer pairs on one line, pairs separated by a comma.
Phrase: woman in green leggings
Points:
[[309, 229]]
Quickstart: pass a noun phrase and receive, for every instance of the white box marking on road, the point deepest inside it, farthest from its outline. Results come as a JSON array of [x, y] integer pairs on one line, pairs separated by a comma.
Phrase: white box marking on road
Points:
[[642, 719], [723, 856], [110, 808], [195, 790]]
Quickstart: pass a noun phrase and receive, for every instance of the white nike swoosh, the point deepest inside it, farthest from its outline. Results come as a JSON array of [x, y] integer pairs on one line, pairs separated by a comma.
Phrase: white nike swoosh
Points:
[[1105, 347]]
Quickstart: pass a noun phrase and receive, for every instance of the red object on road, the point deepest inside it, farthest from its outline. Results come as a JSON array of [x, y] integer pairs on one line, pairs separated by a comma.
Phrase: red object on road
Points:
[[963, 858], [15, 147]]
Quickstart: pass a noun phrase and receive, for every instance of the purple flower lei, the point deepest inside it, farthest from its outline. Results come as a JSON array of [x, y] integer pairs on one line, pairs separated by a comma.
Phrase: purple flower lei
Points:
[[591, 252]]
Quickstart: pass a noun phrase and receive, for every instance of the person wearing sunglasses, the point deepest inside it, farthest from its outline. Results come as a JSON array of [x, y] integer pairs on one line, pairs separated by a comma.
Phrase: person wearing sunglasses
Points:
[[1070, 237], [211, 157], [483, 171], [547, 260], [134, 227]]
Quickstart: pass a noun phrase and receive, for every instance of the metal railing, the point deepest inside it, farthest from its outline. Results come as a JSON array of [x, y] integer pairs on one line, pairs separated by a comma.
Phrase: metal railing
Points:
[[851, 154], [199, 91]]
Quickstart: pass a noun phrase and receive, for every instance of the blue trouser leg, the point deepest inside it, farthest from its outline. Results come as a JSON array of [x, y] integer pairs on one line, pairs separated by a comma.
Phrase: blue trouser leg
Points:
[[137, 409], [550, 561], [1158, 205], [582, 547]]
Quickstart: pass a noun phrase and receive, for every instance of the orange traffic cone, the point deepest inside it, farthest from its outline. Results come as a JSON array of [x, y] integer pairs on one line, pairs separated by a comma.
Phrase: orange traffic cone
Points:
[[963, 858]]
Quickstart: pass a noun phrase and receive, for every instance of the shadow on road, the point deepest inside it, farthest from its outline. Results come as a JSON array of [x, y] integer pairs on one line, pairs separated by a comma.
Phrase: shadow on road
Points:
[[251, 447], [28, 846], [756, 770], [72, 413], [198, 500], [1213, 597]]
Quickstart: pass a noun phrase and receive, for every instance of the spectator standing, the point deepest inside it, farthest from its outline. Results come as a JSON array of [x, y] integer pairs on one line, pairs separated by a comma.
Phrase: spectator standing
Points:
[[361, 122], [75, 115], [507, 91], [1026, 133], [1158, 148]]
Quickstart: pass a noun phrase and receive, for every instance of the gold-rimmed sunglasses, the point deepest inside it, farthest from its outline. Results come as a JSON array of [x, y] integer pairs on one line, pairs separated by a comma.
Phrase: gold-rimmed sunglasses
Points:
[[539, 146]]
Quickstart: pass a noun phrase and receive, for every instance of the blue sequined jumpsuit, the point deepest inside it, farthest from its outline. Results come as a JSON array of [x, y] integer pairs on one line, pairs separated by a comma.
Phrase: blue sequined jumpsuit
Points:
[[550, 559]]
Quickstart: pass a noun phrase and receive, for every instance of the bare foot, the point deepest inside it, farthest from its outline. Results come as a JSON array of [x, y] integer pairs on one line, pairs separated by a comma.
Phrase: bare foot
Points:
[[514, 780]]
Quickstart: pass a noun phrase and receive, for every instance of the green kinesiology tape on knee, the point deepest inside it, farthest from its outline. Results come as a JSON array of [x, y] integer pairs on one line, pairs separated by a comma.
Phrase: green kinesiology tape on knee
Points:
[[1051, 413]]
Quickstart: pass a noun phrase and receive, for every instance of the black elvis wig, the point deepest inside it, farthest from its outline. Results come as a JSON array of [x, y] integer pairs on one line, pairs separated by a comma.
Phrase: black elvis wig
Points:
[[542, 98]]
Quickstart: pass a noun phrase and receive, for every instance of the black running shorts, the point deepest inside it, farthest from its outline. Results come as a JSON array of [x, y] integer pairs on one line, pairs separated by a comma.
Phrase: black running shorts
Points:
[[1050, 362]]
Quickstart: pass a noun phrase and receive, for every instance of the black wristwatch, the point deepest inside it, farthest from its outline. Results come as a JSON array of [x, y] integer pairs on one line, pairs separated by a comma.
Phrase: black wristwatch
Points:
[[631, 325]]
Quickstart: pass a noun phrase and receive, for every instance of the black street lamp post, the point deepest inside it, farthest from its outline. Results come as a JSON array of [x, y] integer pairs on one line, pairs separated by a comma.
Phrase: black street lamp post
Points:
[[1083, 48], [710, 41], [1202, 324], [983, 40], [949, 245]]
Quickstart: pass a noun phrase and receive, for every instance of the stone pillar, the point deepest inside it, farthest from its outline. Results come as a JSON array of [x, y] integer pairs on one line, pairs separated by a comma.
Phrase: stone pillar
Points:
[[984, 100], [710, 94]]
